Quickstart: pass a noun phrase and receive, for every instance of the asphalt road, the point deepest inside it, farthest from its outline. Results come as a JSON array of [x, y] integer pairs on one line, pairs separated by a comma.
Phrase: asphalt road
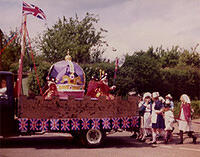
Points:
[[116, 145]]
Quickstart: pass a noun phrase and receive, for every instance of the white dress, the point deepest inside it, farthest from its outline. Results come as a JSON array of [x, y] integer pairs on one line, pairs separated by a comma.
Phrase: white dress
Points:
[[169, 118], [147, 116], [3, 90], [183, 124]]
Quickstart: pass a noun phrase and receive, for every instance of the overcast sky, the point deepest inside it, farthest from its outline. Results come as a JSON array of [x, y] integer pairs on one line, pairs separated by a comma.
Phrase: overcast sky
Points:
[[132, 24]]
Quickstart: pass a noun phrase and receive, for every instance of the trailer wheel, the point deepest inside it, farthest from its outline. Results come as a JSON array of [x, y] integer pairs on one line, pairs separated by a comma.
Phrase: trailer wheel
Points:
[[93, 137]]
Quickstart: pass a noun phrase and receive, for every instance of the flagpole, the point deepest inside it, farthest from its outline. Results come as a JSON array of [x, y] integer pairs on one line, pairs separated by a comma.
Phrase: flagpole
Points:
[[115, 73], [23, 44]]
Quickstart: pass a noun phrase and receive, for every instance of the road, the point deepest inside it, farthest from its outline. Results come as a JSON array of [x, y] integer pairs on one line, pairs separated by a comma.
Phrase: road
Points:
[[116, 145]]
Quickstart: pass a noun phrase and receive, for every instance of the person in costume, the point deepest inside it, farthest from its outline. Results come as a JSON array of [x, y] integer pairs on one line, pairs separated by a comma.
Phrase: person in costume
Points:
[[147, 115], [169, 97], [141, 118], [52, 90], [103, 88], [169, 119], [157, 119], [184, 119], [3, 88], [92, 86]]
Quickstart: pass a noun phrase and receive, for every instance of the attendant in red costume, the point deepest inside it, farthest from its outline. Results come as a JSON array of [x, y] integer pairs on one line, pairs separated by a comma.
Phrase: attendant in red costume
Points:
[[92, 86], [104, 89], [51, 91], [185, 123]]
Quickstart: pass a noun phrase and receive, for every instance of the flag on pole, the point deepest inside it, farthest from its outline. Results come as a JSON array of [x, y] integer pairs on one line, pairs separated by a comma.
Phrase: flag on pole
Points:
[[34, 10], [116, 66]]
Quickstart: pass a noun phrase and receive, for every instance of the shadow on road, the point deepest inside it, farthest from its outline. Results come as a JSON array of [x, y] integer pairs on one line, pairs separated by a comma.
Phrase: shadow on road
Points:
[[67, 142], [63, 142]]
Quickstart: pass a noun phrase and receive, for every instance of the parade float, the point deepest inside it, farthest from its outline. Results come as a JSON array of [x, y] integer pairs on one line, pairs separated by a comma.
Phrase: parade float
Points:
[[64, 107]]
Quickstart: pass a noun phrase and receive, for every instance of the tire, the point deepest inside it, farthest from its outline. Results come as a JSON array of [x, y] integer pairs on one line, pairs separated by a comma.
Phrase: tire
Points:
[[93, 138]]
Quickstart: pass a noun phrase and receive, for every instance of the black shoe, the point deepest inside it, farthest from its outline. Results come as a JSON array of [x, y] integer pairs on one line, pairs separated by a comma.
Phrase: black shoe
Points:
[[149, 135], [195, 140], [142, 140], [153, 142], [133, 136], [181, 142]]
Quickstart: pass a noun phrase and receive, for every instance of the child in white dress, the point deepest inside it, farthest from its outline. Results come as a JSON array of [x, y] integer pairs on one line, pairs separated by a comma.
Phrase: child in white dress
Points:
[[169, 119], [185, 122]]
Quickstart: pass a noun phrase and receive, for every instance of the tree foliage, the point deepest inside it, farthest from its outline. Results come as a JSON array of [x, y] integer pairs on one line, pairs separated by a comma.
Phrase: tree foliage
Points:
[[12, 53], [167, 71], [81, 37]]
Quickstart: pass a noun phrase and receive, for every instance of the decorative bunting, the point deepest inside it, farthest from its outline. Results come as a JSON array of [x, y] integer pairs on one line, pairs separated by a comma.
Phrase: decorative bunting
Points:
[[95, 123], [85, 124], [106, 123], [125, 123], [135, 122], [54, 124], [43, 124], [75, 124], [23, 124], [33, 124], [65, 126]]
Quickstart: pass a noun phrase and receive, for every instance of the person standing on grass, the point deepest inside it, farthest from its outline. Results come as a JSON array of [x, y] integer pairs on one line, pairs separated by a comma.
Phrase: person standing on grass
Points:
[[184, 119]]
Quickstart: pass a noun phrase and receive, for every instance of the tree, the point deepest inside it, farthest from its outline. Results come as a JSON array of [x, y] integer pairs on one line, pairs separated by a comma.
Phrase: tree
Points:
[[79, 36], [12, 53], [168, 58], [190, 59], [42, 72], [139, 72]]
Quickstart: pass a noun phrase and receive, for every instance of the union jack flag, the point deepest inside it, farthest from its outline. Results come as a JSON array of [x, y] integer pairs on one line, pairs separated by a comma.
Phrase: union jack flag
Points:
[[106, 123], [75, 124], [85, 123], [34, 10], [125, 123], [33, 124], [135, 122], [65, 126], [54, 124], [96, 123], [115, 123], [23, 124], [43, 125]]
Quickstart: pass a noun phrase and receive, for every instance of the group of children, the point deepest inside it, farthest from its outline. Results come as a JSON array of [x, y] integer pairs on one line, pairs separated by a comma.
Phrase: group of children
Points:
[[157, 117]]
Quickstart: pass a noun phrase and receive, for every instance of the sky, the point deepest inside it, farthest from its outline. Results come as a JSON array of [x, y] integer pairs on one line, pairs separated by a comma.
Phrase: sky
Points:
[[132, 25]]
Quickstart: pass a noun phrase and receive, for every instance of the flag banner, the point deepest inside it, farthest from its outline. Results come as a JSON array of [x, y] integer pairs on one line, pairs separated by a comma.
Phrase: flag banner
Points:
[[116, 66], [76, 124], [34, 10]]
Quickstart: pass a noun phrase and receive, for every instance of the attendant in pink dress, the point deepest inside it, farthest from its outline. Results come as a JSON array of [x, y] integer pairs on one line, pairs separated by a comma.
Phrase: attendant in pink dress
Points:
[[184, 119]]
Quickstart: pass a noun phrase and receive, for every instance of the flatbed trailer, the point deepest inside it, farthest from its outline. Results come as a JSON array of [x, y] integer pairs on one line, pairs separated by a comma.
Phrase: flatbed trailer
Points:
[[88, 120]]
